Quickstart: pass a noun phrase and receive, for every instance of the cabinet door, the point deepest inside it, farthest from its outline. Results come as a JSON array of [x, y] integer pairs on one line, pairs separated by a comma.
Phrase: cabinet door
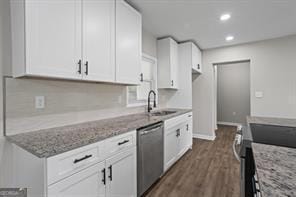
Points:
[[122, 174], [170, 146], [199, 66], [196, 58], [174, 64], [128, 43], [183, 141], [99, 40], [194, 52], [87, 183], [53, 38], [189, 130]]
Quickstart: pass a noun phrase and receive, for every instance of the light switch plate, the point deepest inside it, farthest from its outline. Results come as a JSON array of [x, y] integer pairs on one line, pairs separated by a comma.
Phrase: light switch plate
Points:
[[39, 102], [258, 94]]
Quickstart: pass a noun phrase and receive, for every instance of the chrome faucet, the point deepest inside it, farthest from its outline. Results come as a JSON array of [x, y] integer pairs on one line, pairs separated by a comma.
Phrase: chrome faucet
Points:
[[154, 103]]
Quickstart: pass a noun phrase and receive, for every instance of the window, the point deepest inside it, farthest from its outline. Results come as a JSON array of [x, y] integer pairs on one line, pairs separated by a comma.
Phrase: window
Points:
[[137, 95]]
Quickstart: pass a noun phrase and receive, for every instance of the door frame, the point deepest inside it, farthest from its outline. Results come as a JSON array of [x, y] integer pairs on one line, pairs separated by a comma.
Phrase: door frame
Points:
[[215, 88]]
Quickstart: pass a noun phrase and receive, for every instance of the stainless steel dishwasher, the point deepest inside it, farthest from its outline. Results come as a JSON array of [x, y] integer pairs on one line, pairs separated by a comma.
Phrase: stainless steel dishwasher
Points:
[[149, 156]]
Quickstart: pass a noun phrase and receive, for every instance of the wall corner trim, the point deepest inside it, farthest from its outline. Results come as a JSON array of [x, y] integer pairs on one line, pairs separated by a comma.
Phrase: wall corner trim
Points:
[[204, 137]]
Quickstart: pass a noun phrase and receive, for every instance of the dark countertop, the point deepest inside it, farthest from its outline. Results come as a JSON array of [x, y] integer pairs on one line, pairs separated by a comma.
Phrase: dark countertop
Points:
[[271, 121], [276, 170], [247, 134], [50, 142]]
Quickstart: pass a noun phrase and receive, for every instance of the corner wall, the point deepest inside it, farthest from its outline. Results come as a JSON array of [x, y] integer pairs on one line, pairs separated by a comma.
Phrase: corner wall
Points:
[[272, 69]]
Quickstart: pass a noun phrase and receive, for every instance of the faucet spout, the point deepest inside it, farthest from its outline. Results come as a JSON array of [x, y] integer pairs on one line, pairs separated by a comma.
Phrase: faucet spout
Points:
[[154, 102]]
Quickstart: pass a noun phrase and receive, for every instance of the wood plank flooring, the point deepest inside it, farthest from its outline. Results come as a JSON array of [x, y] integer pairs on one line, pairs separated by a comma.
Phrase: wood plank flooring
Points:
[[208, 170]]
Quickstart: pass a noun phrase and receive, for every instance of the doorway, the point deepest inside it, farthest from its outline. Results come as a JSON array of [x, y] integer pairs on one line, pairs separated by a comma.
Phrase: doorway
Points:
[[232, 92]]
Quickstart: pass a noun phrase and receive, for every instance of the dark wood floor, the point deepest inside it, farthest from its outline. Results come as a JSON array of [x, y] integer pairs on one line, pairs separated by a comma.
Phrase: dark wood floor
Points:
[[208, 170]]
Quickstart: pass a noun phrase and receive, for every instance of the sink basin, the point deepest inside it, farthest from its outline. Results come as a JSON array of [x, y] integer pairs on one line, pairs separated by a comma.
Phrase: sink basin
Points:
[[162, 113], [274, 135]]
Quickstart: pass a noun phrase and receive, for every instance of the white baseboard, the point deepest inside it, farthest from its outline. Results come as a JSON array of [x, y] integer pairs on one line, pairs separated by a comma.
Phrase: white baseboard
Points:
[[204, 137], [229, 123]]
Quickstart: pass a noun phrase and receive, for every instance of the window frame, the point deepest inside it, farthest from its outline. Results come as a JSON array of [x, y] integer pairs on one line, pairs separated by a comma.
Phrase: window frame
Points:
[[153, 60]]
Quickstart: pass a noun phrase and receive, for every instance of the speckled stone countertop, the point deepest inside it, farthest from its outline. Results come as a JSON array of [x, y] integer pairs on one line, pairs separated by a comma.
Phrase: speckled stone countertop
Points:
[[276, 169], [49, 142]]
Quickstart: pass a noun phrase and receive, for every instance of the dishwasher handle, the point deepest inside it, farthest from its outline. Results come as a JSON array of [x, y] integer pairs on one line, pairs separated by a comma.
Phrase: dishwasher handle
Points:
[[150, 130]]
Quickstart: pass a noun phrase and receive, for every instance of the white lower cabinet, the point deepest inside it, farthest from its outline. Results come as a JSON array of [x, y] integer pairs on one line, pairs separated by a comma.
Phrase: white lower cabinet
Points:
[[87, 183], [122, 176], [170, 147], [115, 175], [106, 168], [177, 138]]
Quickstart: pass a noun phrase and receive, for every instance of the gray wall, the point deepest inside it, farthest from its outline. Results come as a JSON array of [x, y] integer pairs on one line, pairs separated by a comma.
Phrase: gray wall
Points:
[[233, 92], [272, 70]]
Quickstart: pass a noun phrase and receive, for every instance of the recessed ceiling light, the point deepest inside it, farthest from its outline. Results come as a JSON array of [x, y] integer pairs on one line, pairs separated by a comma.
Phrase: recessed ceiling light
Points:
[[229, 38], [225, 17]]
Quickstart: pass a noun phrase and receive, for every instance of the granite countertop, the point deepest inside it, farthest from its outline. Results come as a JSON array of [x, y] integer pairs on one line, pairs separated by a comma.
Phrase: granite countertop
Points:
[[276, 170], [50, 142]]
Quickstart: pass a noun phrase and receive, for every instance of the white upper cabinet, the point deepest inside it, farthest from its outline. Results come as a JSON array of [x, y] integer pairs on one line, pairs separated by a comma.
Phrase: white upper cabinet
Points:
[[76, 39], [167, 53], [46, 38], [128, 43], [191, 55], [196, 58], [98, 40]]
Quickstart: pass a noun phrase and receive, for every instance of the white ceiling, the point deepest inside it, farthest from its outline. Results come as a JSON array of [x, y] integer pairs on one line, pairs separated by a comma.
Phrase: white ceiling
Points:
[[251, 20]]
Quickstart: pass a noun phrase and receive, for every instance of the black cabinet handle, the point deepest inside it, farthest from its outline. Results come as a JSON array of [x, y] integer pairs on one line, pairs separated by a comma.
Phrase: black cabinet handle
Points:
[[110, 172], [79, 67], [141, 77], [86, 68], [189, 116], [123, 142], [178, 132], [187, 127], [172, 83], [104, 176], [81, 159], [198, 66]]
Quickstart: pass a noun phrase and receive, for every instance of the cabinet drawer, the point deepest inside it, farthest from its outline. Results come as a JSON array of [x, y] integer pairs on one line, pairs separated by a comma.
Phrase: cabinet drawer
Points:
[[119, 143], [177, 120], [66, 164]]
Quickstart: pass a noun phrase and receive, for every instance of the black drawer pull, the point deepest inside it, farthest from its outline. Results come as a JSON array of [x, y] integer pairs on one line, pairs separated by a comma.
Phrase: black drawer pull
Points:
[[83, 158], [104, 176], [86, 68], [79, 67], [110, 170], [123, 142], [189, 116]]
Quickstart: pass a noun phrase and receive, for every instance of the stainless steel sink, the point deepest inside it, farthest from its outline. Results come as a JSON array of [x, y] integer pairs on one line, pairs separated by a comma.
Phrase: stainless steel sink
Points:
[[162, 113]]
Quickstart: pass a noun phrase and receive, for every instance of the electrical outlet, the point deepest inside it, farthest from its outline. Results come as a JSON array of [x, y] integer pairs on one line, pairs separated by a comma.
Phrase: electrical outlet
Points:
[[234, 113], [258, 94], [39, 102]]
